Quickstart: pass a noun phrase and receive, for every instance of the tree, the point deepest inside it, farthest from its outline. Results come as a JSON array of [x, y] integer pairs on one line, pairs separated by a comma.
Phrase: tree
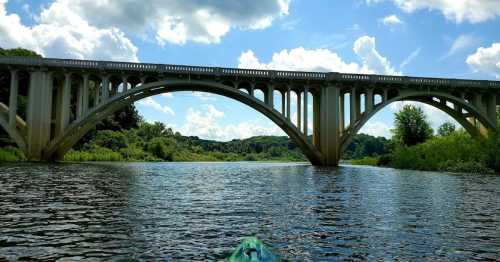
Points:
[[446, 129], [412, 127], [113, 140], [162, 148], [149, 131]]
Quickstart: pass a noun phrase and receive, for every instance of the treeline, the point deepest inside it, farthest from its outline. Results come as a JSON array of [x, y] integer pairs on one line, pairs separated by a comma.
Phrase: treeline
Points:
[[156, 142]]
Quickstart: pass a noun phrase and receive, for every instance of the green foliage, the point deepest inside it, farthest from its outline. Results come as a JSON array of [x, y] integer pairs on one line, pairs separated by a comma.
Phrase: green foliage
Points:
[[457, 152], [366, 161], [18, 52], [113, 140], [364, 145], [412, 127], [161, 147], [446, 129], [122, 120], [491, 147], [95, 154], [157, 129], [11, 154]]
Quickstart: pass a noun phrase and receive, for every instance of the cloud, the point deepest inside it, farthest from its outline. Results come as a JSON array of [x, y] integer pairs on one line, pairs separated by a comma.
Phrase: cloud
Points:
[[460, 44], [323, 60], [373, 62], [62, 33], [177, 22], [150, 102], [88, 29], [377, 129], [168, 95], [391, 20], [410, 58], [204, 96], [486, 60], [473, 11], [206, 124]]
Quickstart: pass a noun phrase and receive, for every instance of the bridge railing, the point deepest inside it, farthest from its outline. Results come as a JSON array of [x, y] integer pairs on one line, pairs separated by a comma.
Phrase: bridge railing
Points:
[[254, 73]]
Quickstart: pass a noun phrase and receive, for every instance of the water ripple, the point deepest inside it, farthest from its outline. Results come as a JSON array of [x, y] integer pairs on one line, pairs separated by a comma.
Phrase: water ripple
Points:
[[201, 211]]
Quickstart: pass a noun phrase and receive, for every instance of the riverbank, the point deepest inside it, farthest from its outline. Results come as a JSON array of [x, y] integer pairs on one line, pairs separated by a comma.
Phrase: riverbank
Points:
[[457, 152]]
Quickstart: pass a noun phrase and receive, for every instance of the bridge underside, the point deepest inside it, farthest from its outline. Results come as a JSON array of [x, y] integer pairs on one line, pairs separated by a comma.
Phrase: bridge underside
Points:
[[67, 98]]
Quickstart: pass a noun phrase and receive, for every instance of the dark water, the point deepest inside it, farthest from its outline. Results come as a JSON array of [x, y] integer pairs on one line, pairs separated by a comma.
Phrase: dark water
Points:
[[200, 212]]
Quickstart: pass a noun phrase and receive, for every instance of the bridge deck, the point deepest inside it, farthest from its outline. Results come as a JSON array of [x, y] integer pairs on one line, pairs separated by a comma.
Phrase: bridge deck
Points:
[[254, 73]]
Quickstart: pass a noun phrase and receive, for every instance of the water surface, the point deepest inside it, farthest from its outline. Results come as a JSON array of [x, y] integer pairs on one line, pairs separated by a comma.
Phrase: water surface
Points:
[[201, 211]]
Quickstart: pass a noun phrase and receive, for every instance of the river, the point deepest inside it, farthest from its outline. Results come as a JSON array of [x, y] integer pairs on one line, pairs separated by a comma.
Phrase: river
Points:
[[201, 212]]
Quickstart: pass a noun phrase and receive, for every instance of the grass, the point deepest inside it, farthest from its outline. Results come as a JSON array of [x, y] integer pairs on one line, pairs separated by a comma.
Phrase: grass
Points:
[[11, 154]]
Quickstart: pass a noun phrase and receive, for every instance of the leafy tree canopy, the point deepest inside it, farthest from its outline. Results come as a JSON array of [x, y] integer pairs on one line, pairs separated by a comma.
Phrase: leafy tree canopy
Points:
[[446, 129], [412, 127]]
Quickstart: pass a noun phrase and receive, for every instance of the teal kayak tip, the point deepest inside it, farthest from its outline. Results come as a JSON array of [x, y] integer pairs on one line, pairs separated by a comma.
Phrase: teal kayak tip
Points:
[[253, 250]]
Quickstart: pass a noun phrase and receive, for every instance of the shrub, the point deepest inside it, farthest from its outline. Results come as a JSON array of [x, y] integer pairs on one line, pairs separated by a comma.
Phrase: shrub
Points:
[[11, 154], [366, 161]]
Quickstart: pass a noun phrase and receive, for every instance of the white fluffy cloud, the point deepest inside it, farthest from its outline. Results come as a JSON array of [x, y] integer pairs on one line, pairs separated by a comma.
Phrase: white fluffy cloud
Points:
[[474, 11], [323, 60], [96, 29], [150, 102], [486, 60], [207, 125], [180, 21], [373, 62], [63, 33], [377, 128], [391, 20]]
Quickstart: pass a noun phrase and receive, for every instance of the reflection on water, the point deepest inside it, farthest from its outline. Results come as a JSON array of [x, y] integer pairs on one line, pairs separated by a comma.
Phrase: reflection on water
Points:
[[201, 211]]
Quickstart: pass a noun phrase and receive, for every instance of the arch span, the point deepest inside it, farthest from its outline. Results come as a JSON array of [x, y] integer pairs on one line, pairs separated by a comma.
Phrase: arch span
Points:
[[61, 144], [426, 98]]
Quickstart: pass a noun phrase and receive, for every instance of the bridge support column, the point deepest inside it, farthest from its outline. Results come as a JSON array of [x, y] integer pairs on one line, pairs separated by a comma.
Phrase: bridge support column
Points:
[[283, 106], [306, 110], [105, 89], [354, 107], [125, 84], [368, 100], [288, 99], [269, 96], [14, 86], [97, 94], [299, 110], [85, 99], [79, 101], [63, 105], [492, 109], [316, 119], [341, 112], [39, 114], [329, 143]]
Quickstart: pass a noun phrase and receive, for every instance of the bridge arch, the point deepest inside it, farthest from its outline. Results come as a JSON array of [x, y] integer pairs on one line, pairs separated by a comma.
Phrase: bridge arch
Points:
[[426, 98], [13, 133], [76, 130]]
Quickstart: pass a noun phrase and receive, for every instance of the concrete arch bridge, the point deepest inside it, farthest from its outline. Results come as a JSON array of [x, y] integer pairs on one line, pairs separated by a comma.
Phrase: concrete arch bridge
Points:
[[67, 98]]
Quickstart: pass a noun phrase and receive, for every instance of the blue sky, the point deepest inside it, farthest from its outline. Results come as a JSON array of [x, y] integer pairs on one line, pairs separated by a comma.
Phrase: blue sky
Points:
[[435, 38]]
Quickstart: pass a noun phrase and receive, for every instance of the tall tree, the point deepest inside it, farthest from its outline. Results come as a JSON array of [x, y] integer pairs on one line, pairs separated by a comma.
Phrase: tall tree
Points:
[[412, 127], [446, 129]]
